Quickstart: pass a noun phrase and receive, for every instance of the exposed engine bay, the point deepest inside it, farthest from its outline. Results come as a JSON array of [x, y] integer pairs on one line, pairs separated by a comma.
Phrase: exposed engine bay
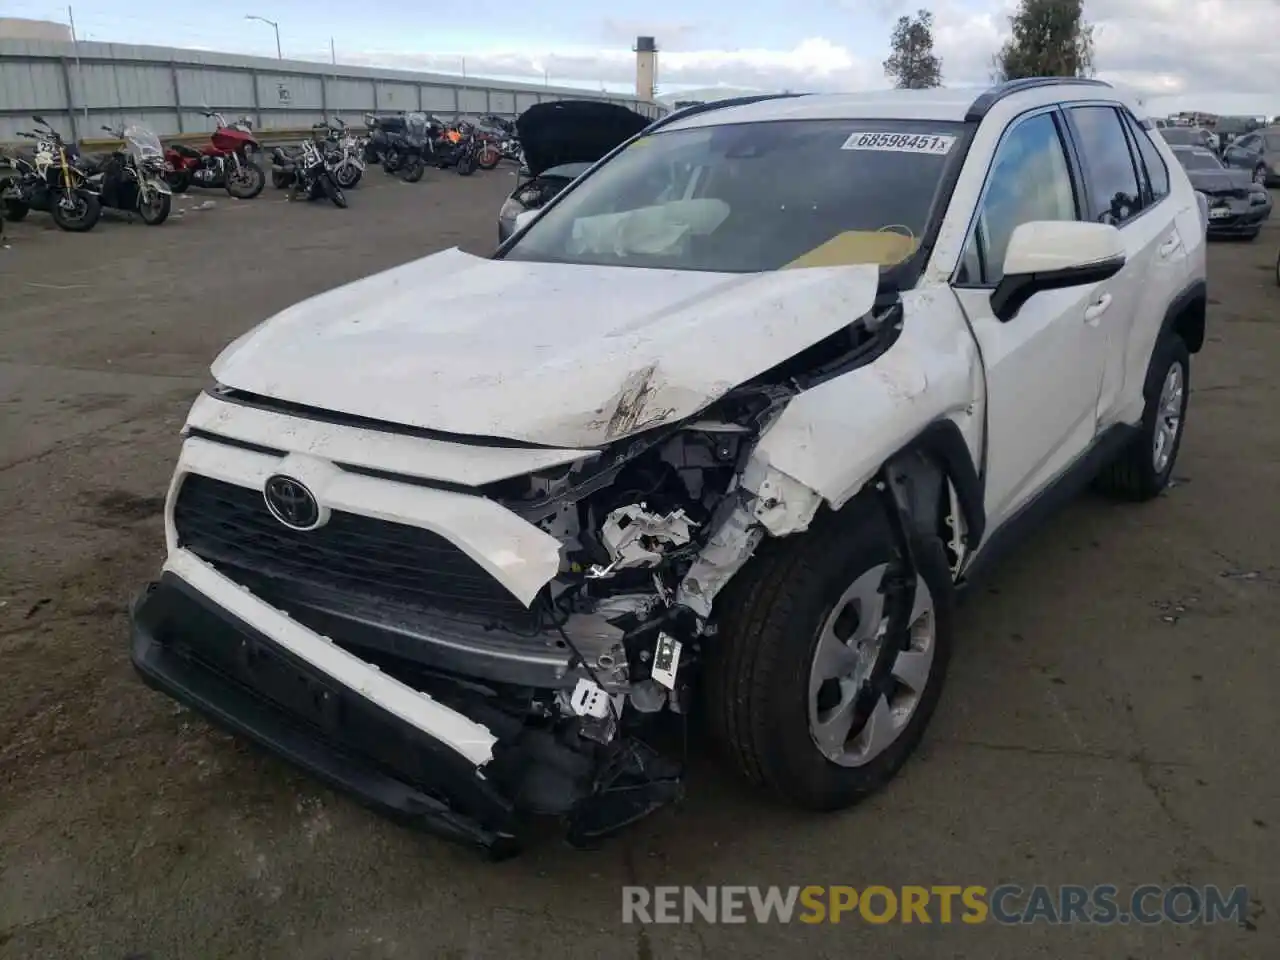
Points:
[[650, 533]]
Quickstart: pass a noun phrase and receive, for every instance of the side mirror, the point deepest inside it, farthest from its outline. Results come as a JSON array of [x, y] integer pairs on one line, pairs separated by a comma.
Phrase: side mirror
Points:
[[39, 119], [526, 217], [1053, 255]]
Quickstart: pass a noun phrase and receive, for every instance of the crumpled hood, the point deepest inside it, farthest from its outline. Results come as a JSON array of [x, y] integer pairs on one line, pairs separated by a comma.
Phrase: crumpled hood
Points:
[[1213, 180], [557, 354]]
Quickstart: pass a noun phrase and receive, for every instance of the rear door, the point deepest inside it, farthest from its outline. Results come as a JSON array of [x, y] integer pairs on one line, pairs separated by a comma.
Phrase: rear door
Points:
[[1118, 191]]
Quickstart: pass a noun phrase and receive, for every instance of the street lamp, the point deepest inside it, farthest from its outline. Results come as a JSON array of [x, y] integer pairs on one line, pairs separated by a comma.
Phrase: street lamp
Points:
[[275, 26]]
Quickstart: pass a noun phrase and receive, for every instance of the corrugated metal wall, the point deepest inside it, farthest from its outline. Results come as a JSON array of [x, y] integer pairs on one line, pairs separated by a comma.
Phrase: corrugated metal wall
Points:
[[165, 89]]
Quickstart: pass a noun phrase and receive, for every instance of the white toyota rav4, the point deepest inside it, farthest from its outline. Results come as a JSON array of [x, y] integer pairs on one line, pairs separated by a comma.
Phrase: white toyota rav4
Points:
[[720, 432]]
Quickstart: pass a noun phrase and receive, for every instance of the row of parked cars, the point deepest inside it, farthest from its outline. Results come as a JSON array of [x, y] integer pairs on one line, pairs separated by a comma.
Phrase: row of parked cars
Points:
[[1234, 177]]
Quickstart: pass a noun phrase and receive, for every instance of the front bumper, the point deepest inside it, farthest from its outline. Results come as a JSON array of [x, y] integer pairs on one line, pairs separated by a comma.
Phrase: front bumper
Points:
[[205, 656], [1242, 219]]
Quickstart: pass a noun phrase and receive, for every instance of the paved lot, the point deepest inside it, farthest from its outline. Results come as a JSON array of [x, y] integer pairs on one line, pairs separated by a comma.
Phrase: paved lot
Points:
[[1111, 715]]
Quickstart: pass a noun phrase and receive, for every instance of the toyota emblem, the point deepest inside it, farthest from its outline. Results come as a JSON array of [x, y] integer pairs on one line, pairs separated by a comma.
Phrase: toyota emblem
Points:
[[291, 502]]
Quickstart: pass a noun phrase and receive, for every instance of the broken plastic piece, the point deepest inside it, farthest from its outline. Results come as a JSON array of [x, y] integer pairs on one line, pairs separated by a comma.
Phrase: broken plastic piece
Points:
[[634, 537], [589, 699]]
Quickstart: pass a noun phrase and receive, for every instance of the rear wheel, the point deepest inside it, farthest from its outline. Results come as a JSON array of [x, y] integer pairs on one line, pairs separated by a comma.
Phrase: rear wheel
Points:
[[280, 179], [1142, 470], [15, 210], [246, 182], [79, 214], [347, 175], [412, 169], [179, 180], [789, 689]]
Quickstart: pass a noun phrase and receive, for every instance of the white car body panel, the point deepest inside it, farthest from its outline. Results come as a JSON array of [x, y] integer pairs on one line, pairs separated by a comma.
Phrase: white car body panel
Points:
[[517, 554], [835, 436], [555, 354], [473, 740], [426, 458]]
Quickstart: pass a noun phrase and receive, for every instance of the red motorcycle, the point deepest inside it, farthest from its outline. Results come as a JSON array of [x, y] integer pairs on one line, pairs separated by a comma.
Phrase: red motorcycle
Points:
[[490, 152], [223, 163]]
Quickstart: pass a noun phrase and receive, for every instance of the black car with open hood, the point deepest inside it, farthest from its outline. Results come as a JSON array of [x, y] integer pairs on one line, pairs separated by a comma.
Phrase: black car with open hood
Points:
[[561, 140]]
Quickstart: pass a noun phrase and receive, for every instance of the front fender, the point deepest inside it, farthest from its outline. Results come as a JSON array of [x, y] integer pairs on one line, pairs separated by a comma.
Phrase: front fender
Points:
[[834, 438]]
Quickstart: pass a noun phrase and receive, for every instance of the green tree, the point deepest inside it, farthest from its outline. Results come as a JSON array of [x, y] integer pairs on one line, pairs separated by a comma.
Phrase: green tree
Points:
[[1049, 38], [912, 64]]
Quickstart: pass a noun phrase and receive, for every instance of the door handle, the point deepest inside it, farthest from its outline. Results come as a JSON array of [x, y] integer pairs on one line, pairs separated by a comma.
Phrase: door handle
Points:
[[1170, 245], [1095, 310]]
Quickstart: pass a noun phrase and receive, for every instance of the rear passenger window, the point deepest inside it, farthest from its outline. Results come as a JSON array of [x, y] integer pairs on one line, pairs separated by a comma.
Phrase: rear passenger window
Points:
[[1157, 174], [1114, 194]]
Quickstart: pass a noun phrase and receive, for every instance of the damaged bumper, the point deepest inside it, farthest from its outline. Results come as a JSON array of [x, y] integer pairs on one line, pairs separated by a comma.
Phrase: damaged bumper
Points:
[[417, 762]]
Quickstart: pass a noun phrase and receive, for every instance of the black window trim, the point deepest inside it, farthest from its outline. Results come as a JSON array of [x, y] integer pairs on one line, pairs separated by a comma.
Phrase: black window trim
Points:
[[1074, 171], [1129, 146], [1134, 129]]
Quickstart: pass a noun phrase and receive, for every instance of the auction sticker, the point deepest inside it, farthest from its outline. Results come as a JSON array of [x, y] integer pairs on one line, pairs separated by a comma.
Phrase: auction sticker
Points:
[[901, 142]]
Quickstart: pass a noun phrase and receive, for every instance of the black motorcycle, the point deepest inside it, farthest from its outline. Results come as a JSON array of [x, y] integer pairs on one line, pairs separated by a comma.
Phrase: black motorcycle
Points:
[[51, 181], [454, 145], [132, 179], [401, 144], [307, 172]]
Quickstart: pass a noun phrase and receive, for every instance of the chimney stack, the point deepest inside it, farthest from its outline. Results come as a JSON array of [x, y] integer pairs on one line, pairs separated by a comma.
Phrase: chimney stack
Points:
[[646, 52]]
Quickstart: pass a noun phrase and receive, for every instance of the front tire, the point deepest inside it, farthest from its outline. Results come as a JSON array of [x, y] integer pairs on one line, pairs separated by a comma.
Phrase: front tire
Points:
[[247, 182], [333, 192], [16, 211], [82, 217], [804, 613], [157, 211], [1142, 470], [412, 169]]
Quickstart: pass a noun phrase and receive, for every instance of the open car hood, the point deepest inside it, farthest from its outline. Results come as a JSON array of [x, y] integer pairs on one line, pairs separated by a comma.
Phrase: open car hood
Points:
[[574, 131], [607, 351]]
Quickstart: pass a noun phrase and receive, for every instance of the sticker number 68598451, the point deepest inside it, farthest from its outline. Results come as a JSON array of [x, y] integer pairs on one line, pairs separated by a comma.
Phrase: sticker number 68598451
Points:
[[901, 142]]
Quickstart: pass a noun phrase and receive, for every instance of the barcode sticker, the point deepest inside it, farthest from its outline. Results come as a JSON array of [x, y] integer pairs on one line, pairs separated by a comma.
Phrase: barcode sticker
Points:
[[938, 144]]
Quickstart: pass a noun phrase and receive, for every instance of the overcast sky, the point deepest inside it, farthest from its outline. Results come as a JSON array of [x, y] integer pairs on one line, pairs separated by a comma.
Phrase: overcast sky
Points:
[[1219, 55]]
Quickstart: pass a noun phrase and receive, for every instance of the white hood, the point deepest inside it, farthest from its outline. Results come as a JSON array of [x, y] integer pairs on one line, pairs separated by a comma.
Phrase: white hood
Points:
[[555, 354]]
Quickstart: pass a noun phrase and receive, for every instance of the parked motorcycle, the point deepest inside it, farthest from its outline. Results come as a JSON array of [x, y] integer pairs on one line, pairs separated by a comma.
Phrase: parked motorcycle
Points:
[[133, 178], [51, 181], [349, 166], [308, 173], [222, 163], [401, 144], [454, 145]]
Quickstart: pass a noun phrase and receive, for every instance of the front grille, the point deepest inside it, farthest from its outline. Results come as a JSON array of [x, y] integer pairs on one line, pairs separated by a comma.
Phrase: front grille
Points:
[[230, 527], [1233, 193]]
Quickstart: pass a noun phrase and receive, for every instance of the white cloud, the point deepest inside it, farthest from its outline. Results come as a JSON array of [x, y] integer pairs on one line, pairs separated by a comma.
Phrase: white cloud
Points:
[[1218, 54]]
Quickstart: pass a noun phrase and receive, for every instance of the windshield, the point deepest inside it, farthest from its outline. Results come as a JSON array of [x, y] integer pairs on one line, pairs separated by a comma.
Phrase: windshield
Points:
[[744, 198], [1197, 160], [142, 142]]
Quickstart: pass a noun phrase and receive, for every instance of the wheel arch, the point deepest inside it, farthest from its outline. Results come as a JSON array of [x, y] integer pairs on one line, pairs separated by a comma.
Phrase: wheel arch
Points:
[[1187, 314], [939, 454]]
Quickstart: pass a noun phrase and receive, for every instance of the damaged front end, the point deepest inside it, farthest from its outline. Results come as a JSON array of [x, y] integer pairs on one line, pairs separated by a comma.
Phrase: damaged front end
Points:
[[328, 640]]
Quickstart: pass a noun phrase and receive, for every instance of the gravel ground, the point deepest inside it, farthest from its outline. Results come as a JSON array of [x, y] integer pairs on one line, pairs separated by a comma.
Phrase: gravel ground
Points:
[[1110, 716]]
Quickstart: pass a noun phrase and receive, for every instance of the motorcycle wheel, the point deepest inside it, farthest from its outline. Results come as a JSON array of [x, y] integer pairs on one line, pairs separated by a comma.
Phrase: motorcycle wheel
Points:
[[412, 169], [15, 210], [467, 165], [179, 181], [280, 179], [82, 217], [157, 210], [348, 175], [247, 182], [333, 192], [489, 157]]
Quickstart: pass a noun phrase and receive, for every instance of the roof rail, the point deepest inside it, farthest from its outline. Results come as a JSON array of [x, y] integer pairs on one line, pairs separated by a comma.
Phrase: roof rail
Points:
[[982, 106], [715, 105]]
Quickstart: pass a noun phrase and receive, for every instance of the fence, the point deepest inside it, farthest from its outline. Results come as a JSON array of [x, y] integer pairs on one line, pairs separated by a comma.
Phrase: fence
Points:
[[80, 88]]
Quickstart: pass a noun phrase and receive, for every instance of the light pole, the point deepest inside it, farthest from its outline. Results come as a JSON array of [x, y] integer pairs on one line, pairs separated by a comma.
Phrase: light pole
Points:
[[275, 26]]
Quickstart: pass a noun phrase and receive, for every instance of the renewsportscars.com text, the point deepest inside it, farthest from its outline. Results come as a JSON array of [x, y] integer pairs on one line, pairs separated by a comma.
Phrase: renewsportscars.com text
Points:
[[1007, 904]]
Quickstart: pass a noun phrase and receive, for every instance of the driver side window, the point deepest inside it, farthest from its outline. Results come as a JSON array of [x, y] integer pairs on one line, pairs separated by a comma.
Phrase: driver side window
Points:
[[1029, 180]]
